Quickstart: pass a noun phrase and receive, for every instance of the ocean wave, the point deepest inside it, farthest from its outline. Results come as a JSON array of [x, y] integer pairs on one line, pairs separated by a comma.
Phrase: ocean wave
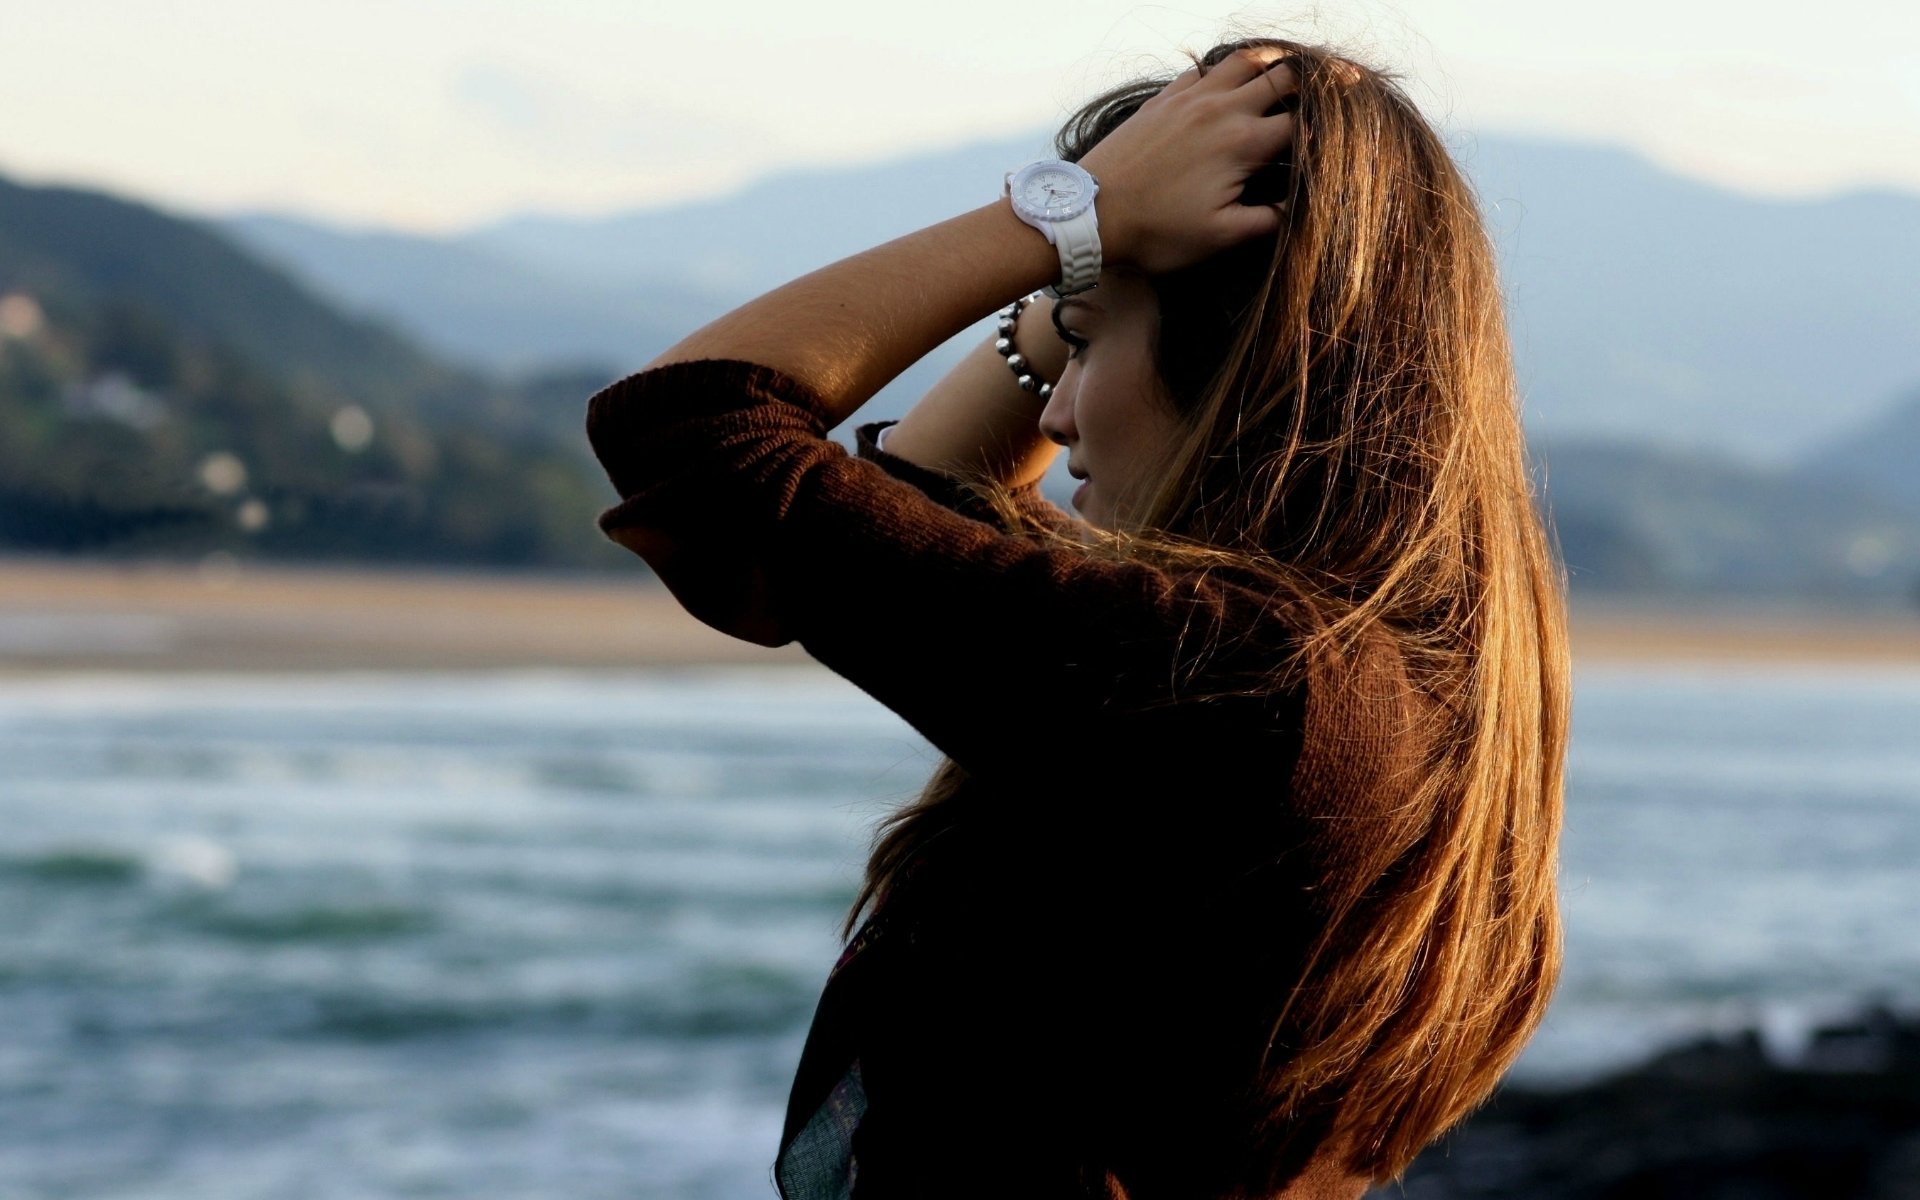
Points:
[[182, 860], [746, 1004], [83, 866], [320, 923]]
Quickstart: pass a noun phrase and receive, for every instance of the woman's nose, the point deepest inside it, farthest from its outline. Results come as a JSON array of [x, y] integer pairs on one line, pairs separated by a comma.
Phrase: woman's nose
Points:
[[1056, 419]]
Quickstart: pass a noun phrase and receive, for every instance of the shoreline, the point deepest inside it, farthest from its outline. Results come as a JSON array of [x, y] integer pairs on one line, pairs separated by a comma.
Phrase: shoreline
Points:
[[60, 617]]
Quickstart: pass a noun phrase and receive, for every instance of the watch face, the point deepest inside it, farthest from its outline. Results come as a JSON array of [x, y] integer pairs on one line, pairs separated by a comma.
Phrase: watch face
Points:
[[1052, 191]]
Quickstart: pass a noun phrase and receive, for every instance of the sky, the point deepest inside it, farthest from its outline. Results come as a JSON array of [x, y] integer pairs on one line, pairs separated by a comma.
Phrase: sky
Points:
[[435, 116]]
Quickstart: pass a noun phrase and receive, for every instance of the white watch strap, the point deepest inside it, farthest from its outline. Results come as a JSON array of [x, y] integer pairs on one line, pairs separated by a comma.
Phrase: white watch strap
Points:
[[1078, 242]]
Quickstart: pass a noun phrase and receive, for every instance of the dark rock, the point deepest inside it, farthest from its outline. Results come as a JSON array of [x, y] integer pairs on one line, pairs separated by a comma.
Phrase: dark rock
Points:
[[1714, 1119]]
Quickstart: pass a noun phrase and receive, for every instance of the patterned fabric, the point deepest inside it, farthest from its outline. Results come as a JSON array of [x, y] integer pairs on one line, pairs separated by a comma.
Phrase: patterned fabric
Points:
[[819, 1163], [816, 1160]]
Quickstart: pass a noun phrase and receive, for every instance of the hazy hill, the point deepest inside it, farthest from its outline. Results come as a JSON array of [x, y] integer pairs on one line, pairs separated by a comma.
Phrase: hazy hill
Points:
[[89, 249], [1638, 519], [477, 306], [1884, 455], [768, 231], [624, 288], [1646, 307], [1651, 307], [162, 391]]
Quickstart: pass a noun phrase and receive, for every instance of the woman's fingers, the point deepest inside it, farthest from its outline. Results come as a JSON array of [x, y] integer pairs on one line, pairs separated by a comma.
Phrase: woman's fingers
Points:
[[1276, 83], [1181, 82], [1242, 66], [1243, 222], [1273, 134], [1258, 75]]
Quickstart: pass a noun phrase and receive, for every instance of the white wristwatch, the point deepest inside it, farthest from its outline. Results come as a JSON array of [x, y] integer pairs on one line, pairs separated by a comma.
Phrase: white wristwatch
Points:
[[1056, 197]]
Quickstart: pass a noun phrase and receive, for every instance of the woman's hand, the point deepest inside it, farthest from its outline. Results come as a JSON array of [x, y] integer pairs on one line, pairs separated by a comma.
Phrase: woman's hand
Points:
[[1171, 174]]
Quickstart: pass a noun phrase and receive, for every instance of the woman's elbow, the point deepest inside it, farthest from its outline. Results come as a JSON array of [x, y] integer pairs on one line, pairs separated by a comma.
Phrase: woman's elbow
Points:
[[720, 590]]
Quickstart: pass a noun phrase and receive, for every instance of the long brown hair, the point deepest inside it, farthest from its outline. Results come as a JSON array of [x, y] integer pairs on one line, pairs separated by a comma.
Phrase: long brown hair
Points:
[[1349, 426]]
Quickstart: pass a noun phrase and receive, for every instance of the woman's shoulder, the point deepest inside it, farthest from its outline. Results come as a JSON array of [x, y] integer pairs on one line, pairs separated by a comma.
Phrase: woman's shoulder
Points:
[[1364, 688], [1373, 731]]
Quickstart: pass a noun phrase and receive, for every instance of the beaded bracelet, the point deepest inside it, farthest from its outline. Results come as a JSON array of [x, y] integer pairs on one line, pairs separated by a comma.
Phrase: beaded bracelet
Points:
[[1016, 361]]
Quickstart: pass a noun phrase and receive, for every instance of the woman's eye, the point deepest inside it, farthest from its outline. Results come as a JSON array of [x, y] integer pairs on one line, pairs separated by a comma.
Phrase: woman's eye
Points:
[[1075, 343]]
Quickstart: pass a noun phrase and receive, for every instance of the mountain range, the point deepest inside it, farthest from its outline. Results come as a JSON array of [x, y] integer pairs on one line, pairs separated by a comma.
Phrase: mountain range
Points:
[[1700, 433], [1645, 306]]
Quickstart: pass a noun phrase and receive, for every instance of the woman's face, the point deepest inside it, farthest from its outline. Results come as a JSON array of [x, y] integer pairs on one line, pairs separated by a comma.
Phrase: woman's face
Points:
[[1109, 409]]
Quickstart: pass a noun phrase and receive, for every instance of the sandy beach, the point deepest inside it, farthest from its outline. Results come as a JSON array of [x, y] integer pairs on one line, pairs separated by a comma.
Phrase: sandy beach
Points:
[[58, 616], [226, 617]]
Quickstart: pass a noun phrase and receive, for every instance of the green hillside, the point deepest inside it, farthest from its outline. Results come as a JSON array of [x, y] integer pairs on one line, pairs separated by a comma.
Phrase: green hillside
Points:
[[161, 392]]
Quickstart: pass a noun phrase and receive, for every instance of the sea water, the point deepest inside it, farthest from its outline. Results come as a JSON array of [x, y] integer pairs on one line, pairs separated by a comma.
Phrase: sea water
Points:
[[550, 935]]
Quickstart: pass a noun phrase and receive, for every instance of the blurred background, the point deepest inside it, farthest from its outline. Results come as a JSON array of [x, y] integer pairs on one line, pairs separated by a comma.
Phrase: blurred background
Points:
[[375, 829]]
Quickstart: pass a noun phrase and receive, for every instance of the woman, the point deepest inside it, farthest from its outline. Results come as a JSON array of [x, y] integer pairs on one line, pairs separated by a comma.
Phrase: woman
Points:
[[1237, 879]]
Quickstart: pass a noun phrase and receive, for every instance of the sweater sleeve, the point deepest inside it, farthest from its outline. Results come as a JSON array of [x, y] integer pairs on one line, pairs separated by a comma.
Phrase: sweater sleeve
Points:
[[995, 646], [946, 490]]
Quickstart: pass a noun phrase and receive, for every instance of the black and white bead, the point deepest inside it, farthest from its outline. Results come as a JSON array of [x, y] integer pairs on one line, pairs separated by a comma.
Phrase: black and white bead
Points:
[[1017, 362]]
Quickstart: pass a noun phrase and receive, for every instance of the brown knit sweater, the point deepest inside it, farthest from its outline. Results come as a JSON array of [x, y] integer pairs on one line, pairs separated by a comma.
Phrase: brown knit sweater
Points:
[[1073, 991]]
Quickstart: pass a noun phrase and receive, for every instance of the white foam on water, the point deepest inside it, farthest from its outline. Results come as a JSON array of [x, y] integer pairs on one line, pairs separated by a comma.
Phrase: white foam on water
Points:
[[196, 861]]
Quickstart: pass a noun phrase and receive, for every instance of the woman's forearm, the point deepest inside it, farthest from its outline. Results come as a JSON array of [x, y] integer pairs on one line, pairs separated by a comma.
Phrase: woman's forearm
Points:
[[977, 421], [847, 329]]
